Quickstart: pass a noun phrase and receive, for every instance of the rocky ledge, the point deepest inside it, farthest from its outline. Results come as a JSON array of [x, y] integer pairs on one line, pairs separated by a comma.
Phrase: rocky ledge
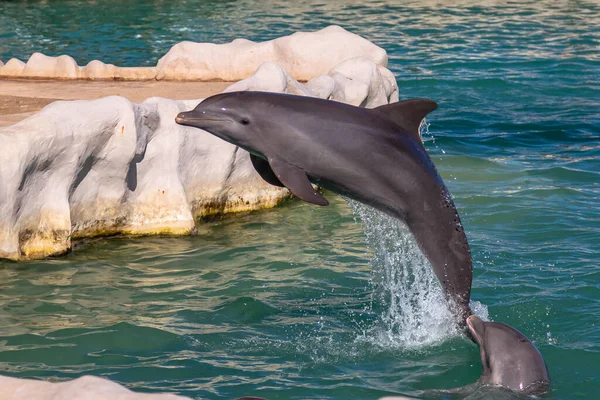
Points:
[[109, 166], [87, 387], [303, 55], [89, 168]]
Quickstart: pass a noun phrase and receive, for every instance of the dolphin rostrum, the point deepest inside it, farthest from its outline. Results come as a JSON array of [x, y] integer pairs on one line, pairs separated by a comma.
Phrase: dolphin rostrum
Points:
[[374, 156]]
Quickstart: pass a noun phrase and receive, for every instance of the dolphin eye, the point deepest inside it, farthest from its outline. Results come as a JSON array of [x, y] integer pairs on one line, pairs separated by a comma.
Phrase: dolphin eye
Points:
[[245, 121]]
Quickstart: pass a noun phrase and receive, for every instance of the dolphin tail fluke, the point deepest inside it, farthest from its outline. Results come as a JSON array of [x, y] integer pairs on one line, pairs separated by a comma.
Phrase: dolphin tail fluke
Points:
[[408, 114]]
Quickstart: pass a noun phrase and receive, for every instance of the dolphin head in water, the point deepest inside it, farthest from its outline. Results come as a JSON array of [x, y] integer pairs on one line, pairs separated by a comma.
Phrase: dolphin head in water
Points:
[[508, 358]]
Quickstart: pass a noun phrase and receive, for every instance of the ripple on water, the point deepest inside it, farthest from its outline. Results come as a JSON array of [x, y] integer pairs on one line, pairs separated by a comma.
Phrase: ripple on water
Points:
[[285, 299]]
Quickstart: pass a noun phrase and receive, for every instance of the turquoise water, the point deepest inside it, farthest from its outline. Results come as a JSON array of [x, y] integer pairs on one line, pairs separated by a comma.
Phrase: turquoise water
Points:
[[286, 303]]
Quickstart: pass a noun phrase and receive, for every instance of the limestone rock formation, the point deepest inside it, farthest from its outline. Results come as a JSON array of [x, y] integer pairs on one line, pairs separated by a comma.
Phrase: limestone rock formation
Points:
[[362, 83], [42, 66], [357, 81], [99, 167], [87, 387], [271, 77], [108, 166], [97, 70], [13, 67], [303, 55]]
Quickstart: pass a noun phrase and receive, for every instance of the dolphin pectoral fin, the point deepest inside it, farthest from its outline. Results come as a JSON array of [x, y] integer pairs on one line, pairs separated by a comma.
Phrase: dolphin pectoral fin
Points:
[[297, 182], [264, 170], [408, 114]]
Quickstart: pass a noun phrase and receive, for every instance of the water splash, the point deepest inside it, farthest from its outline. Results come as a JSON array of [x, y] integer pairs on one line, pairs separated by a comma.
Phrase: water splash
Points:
[[427, 136], [414, 312], [477, 307]]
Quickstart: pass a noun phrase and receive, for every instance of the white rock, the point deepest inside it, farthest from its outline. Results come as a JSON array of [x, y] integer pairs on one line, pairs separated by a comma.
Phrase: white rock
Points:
[[42, 66], [270, 77], [84, 388], [157, 200], [135, 73], [321, 86], [54, 152], [306, 55], [362, 83], [303, 55], [99, 198], [107, 166], [96, 69], [88, 168], [13, 68], [357, 81]]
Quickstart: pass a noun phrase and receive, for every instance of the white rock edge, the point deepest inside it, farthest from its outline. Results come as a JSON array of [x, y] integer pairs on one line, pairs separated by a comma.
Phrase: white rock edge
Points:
[[84, 388], [100, 167], [303, 55]]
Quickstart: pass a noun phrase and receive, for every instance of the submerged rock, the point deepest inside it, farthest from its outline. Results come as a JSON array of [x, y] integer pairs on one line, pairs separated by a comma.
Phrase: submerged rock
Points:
[[87, 387]]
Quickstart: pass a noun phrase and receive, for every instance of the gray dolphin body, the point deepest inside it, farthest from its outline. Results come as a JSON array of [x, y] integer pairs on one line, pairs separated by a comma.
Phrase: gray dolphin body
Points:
[[374, 156], [508, 358]]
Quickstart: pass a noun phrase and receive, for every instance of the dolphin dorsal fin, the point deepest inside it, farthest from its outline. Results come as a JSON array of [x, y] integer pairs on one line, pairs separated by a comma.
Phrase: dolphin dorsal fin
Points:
[[408, 114]]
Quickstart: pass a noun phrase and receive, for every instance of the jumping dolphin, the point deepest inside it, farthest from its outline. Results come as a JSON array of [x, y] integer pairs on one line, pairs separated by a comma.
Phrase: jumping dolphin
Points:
[[374, 156], [508, 358]]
